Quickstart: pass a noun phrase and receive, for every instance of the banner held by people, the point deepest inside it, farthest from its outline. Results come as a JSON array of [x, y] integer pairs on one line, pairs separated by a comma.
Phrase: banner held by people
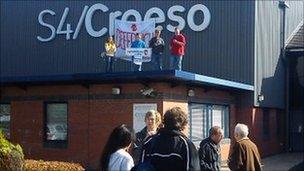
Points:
[[125, 34], [140, 54]]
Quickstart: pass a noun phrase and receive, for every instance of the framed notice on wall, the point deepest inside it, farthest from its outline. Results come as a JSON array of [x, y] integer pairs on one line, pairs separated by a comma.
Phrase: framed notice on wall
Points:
[[139, 112]]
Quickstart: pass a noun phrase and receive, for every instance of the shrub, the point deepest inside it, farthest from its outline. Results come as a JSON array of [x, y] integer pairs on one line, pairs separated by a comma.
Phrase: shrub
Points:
[[12, 159], [40, 165], [11, 156]]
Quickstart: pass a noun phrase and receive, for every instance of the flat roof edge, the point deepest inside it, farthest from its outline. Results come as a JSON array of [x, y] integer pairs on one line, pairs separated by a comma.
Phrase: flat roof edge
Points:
[[213, 80], [127, 76]]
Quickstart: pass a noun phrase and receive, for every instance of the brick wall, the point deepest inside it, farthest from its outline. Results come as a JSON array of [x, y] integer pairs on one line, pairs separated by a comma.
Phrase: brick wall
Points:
[[253, 117], [93, 112]]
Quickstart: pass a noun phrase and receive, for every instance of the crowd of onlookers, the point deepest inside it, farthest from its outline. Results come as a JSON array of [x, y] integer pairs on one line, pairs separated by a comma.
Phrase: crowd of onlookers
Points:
[[163, 146]]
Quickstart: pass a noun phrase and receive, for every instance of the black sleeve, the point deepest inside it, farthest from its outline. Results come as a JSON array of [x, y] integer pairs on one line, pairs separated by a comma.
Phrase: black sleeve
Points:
[[138, 140], [205, 157], [235, 159], [194, 159], [138, 145], [151, 43], [162, 46], [146, 149]]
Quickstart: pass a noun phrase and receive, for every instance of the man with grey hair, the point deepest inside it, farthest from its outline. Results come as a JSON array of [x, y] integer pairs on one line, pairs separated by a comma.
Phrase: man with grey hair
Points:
[[210, 150], [245, 154]]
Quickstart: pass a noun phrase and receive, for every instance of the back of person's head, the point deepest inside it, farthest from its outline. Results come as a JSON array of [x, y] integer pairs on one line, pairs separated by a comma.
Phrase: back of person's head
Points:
[[241, 130], [175, 119], [121, 137]]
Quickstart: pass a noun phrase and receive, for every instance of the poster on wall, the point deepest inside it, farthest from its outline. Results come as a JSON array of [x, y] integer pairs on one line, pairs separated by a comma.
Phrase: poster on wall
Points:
[[139, 112]]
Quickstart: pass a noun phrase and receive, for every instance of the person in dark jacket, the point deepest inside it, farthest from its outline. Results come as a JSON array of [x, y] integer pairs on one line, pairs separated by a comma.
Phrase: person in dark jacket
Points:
[[158, 45], [209, 152], [152, 121], [170, 149]]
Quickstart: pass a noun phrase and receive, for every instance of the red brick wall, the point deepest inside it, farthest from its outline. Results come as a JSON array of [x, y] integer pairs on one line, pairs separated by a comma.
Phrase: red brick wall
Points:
[[253, 117], [91, 121]]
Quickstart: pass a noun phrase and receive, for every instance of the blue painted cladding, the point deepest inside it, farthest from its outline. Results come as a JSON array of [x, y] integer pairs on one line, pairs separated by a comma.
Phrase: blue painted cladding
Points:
[[224, 50]]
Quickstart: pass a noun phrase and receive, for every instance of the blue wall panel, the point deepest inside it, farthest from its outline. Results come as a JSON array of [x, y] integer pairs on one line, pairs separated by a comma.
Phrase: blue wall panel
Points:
[[223, 50]]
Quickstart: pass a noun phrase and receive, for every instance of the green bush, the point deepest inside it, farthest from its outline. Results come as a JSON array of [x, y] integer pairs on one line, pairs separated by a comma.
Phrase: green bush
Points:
[[12, 159], [11, 156]]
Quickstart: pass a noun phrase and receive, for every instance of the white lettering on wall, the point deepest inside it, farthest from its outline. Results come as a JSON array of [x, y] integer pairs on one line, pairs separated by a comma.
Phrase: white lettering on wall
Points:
[[87, 15], [80, 21], [173, 17], [112, 17], [130, 13], [161, 15], [68, 30], [88, 20], [190, 17], [52, 28]]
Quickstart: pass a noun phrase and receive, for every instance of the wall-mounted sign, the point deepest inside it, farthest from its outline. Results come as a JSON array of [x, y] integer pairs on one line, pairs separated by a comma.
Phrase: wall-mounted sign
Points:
[[85, 20]]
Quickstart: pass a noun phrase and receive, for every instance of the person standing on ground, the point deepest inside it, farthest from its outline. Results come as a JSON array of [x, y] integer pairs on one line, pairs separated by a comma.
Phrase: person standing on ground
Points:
[[158, 45], [115, 156], [245, 155], [170, 149], [137, 43], [152, 121], [110, 48], [177, 47], [210, 151]]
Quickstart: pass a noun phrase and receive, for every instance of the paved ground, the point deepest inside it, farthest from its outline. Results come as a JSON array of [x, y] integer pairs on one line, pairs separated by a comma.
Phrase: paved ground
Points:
[[281, 162]]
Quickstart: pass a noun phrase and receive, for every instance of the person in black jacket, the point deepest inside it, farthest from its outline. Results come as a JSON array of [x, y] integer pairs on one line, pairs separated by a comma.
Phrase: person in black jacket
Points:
[[158, 45], [170, 149], [152, 121], [209, 152]]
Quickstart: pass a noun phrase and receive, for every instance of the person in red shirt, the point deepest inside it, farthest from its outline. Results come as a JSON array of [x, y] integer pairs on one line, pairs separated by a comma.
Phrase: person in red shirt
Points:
[[177, 47]]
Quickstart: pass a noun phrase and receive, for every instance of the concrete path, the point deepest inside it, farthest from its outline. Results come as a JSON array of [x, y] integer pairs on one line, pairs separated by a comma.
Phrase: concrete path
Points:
[[280, 162]]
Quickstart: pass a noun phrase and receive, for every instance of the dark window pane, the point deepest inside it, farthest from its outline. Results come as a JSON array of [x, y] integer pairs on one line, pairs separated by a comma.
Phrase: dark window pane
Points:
[[56, 121], [5, 111], [202, 117]]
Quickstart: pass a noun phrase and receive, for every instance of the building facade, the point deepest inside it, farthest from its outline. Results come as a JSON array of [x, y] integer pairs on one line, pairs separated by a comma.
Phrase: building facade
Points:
[[57, 102]]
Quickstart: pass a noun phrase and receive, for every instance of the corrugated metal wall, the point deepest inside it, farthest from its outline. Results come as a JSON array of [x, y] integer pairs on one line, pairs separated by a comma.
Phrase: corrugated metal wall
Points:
[[269, 68], [223, 50], [294, 14]]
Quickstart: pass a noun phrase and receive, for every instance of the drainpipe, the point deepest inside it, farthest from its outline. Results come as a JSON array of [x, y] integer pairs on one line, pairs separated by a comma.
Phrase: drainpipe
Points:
[[283, 5]]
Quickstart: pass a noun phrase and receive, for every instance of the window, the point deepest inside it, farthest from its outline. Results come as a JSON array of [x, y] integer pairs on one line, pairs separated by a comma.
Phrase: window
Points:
[[266, 128], [203, 116], [56, 122], [5, 112]]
